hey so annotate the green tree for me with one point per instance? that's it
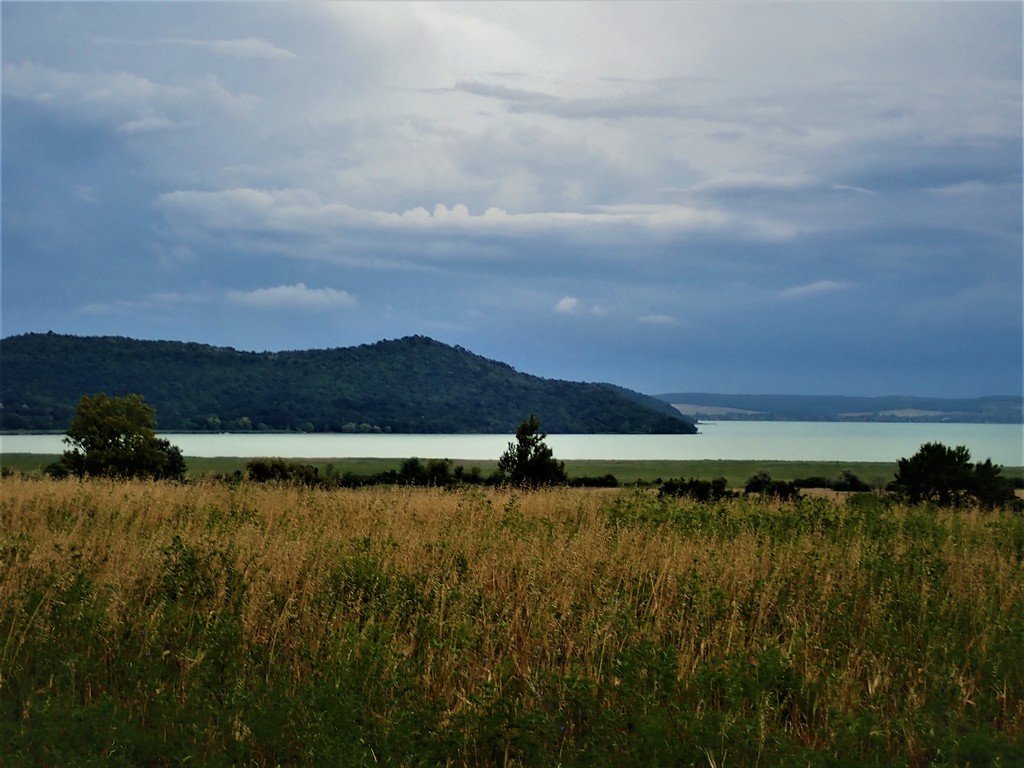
(989, 488)
(439, 473)
(529, 461)
(116, 437)
(848, 481)
(275, 470)
(412, 472)
(945, 476)
(935, 473)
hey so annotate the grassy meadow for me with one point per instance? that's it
(209, 623)
(736, 472)
(627, 471)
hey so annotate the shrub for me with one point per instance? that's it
(606, 481)
(281, 471)
(697, 490)
(762, 484)
(816, 481)
(946, 477)
(848, 481)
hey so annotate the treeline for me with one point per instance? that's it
(983, 485)
(761, 484)
(410, 385)
(434, 473)
(936, 474)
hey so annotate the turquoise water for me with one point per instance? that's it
(778, 440)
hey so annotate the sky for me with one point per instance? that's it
(807, 198)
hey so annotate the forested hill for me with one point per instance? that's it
(413, 384)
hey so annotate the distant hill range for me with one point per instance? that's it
(412, 385)
(712, 407)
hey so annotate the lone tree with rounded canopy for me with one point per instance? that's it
(945, 476)
(116, 437)
(529, 461)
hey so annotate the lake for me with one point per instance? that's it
(766, 440)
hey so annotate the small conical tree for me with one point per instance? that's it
(529, 461)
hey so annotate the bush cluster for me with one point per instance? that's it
(697, 490)
(847, 482)
(762, 484)
(432, 473)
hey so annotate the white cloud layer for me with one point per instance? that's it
(300, 210)
(127, 101)
(298, 296)
(813, 289)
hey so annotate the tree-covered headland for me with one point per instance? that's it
(412, 385)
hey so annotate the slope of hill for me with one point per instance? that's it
(413, 384)
(706, 405)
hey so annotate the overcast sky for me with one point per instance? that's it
(791, 198)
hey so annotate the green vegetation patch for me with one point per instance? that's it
(736, 473)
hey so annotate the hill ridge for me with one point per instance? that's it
(413, 384)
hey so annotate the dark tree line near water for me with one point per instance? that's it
(115, 437)
(409, 385)
(527, 463)
(936, 474)
(761, 484)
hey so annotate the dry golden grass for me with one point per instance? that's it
(557, 581)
